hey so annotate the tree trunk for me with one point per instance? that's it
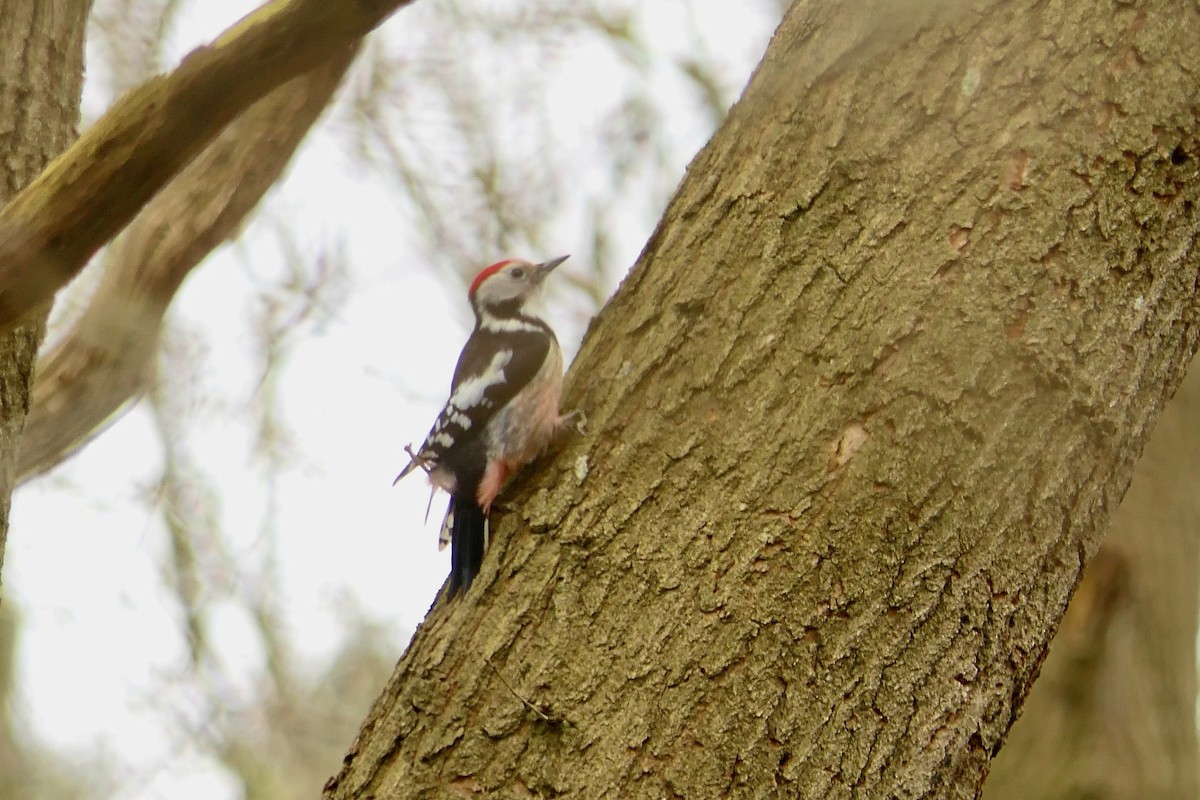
(41, 80)
(1113, 715)
(857, 418)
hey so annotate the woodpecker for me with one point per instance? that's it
(502, 410)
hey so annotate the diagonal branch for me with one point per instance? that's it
(88, 194)
(104, 359)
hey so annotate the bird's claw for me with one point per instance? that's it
(577, 420)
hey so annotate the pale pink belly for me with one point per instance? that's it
(524, 429)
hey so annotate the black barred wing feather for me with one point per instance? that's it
(493, 368)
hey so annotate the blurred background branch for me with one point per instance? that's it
(102, 361)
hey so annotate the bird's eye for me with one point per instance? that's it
(517, 272)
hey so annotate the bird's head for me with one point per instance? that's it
(503, 288)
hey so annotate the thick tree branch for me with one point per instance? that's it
(50, 230)
(1113, 714)
(102, 362)
(857, 418)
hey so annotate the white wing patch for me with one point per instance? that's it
(457, 415)
(470, 392)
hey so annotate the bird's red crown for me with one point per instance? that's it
(486, 273)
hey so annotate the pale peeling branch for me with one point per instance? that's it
(87, 195)
(103, 361)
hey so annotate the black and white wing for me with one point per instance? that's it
(493, 368)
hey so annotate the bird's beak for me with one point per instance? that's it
(546, 267)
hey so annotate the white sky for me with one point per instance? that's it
(98, 631)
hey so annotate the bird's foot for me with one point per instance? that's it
(575, 419)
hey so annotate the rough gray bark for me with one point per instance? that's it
(41, 79)
(1113, 714)
(858, 416)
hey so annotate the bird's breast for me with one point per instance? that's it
(524, 427)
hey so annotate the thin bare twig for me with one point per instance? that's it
(545, 718)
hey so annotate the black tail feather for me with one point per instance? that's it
(468, 541)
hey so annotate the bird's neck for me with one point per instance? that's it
(508, 309)
(508, 317)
